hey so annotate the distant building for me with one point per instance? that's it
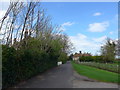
(76, 56)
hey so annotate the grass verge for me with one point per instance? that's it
(108, 67)
(97, 74)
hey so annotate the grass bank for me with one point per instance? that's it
(105, 66)
(97, 74)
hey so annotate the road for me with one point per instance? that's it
(63, 77)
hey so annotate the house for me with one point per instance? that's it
(76, 56)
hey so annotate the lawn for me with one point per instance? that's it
(95, 73)
(105, 66)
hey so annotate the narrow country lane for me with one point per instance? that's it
(63, 77)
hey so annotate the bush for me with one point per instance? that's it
(9, 66)
(98, 58)
(91, 59)
(86, 58)
(25, 62)
(63, 57)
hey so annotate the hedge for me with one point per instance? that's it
(94, 59)
(19, 65)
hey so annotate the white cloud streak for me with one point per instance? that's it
(62, 28)
(100, 39)
(97, 14)
(98, 27)
(67, 24)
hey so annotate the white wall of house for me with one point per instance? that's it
(75, 58)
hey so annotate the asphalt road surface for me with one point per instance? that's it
(63, 77)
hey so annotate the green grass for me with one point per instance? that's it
(109, 67)
(97, 74)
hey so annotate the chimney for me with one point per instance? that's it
(80, 52)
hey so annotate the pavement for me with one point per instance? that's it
(63, 76)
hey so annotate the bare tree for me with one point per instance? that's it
(28, 19)
(6, 14)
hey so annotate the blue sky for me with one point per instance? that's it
(86, 23)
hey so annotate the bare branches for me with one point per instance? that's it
(10, 17)
(6, 14)
(28, 20)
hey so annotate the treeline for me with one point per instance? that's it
(91, 59)
(108, 53)
(31, 43)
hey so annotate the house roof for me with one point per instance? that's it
(86, 54)
(78, 54)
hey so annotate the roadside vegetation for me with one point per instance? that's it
(31, 44)
(103, 67)
(95, 73)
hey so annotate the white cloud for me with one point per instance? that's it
(82, 36)
(67, 24)
(100, 39)
(97, 14)
(98, 27)
(111, 32)
(86, 44)
(62, 28)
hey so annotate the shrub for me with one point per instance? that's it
(25, 62)
(91, 59)
(98, 58)
(86, 58)
(63, 57)
(9, 66)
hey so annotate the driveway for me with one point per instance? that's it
(63, 77)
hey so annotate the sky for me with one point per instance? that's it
(87, 24)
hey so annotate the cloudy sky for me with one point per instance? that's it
(86, 23)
